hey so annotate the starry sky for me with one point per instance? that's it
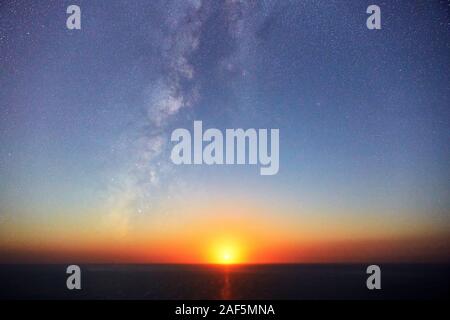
(86, 117)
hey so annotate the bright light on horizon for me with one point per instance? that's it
(227, 257)
(226, 253)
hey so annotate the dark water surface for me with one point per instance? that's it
(297, 281)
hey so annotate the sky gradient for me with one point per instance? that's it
(86, 117)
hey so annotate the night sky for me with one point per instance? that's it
(86, 117)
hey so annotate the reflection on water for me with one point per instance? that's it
(225, 290)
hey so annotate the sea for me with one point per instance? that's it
(225, 282)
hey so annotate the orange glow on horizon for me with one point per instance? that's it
(222, 233)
